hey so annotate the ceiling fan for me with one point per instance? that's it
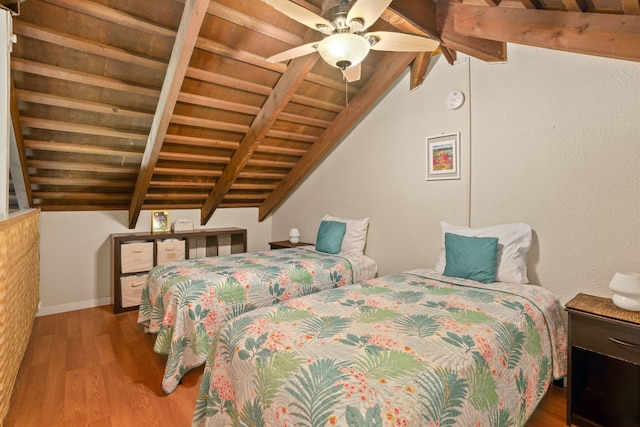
(345, 43)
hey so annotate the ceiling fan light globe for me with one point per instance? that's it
(344, 50)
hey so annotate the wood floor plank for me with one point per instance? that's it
(75, 402)
(115, 389)
(93, 368)
(52, 405)
(97, 402)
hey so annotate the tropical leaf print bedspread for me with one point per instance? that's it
(401, 350)
(186, 302)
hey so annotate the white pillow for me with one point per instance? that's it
(514, 241)
(355, 238)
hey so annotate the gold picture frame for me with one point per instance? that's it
(160, 221)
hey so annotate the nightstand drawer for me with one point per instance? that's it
(614, 339)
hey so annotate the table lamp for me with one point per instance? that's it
(626, 288)
(294, 235)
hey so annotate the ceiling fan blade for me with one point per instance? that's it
(368, 11)
(400, 42)
(352, 74)
(302, 15)
(295, 52)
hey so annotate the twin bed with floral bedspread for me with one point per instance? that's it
(414, 349)
(186, 302)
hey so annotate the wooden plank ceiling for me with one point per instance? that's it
(168, 104)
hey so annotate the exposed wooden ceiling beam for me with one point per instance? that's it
(209, 124)
(282, 93)
(476, 46)
(599, 34)
(303, 120)
(388, 70)
(243, 196)
(32, 67)
(33, 122)
(631, 7)
(262, 175)
(81, 182)
(113, 16)
(272, 163)
(280, 150)
(231, 145)
(82, 105)
(64, 147)
(208, 76)
(531, 4)
(180, 184)
(420, 67)
(81, 195)
(177, 196)
(82, 167)
(164, 170)
(232, 15)
(190, 23)
(190, 98)
(257, 186)
(84, 207)
(413, 16)
(192, 157)
(575, 5)
(449, 54)
(87, 46)
(200, 142)
(228, 81)
(293, 136)
(219, 104)
(418, 17)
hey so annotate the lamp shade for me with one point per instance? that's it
(626, 288)
(294, 235)
(344, 50)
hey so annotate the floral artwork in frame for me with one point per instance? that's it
(443, 157)
(160, 222)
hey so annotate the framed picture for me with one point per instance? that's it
(443, 157)
(160, 222)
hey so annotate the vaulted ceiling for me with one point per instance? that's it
(169, 104)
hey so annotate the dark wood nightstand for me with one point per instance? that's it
(604, 363)
(283, 244)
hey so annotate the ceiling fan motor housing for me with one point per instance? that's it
(336, 12)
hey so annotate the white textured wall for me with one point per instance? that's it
(552, 139)
(379, 171)
(556, 144)
(75, 251)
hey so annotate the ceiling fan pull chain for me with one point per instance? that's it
(346, 92)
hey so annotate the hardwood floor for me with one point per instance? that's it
(93, 368)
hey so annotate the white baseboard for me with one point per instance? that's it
(63, 308)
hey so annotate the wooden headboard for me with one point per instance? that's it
(19, 295)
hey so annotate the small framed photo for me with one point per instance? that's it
(443, 157)
(160, 222)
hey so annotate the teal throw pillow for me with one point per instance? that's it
(472, 258)
(330, 235)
